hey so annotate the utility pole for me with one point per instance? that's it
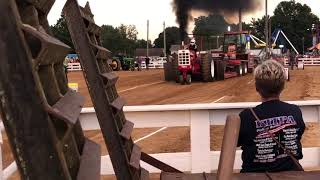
(164, 39)
(302, 45)
(240, 19)
(147, 38)
(267, 30)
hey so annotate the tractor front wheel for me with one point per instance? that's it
(181, 80)
(189, 79)
(116, 65)
(245, 68)
(239, 70)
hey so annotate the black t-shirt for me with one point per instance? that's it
(260, 152)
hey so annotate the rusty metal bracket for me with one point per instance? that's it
(39, 112)
(125, 155)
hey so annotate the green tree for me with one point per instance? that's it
(141, 43)
(172, 37)
(122, 39)
(210, 25)
(111, 38)
(294, 19)
(61, 32)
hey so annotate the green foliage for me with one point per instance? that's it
(212, 25)
(122, 39)
(294, 19)
(61, 32)
(119, 40)
(172, 37)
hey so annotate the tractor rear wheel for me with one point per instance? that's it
(168, 71)
(220, 70)
(208, 68)
(245, 68)
(116, 65)
(189, 79)
(174, 65)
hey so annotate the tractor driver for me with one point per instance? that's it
(193, 46)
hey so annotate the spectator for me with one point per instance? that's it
(147, 62)
(292, 58)
(139, 63)
(193, 46)
(270, 134)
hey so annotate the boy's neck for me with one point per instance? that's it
(270, 99)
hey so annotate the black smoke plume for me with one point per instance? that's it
(228, 8)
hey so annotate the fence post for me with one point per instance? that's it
(200, 141)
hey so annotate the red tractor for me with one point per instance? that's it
(235, 57)
(193, 65)
(208, 66)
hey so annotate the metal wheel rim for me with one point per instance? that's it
(212, 69)
(115, 64)
(245, 69)
(190, 80)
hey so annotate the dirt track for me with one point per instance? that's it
(149, 87)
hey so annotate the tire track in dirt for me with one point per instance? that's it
(198, 92)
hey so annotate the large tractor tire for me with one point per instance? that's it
(125, 67)
(168, 72)
(175, 71)
(208, 68)
(221, 68)
(181, 80)
(115, 65)
(244, 68)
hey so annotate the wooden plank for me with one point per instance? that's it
(144, 175)
(289, 175)
(68, 108)
(90, 161)
(127, 130)
(118, 103)
(111, 78)
(158, 164)
(135, 156)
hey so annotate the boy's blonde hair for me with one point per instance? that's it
(270, 78)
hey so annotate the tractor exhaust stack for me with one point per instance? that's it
(240, 19)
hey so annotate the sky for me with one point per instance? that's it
(137, 12)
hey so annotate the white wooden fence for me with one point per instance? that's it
(198, 117)
(308, 61)
(74, 67)
(156, 63)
